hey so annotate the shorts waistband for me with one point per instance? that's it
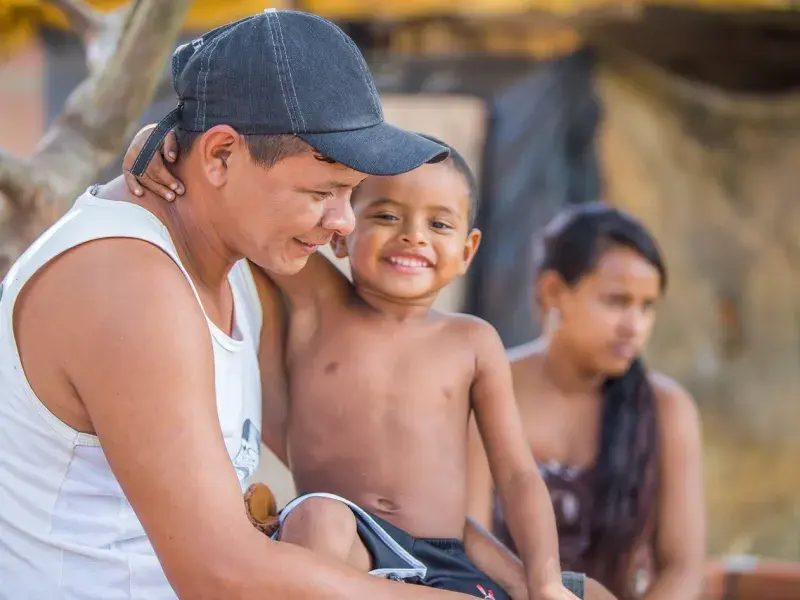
(445, 544)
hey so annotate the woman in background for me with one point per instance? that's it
(618, 445)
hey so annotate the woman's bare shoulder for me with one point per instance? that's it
(530, 351)
(676, 406)
(525, 362)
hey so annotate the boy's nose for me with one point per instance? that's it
(414, 235)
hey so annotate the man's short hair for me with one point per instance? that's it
(266, 149)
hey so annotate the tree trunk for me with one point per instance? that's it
(128, 51)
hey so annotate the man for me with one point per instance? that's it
(129, 355)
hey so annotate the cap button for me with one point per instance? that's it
(269, 10)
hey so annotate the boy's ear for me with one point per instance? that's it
(471, 245)
(339, 246)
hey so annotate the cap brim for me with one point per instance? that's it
(382, 149)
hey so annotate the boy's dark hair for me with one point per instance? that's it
(626, 475)
(266, 149)
(457, 161)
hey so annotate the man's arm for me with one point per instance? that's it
(681, 520)
(523, 494)
(133, 343)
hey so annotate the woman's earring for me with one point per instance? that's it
(553, 319)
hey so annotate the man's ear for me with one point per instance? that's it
(215, 148)
(339, 246)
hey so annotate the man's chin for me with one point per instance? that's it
(289, 267)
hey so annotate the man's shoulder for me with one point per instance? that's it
(107, 280)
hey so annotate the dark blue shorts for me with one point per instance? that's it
(436, 563)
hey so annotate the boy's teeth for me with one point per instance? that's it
(409, 262)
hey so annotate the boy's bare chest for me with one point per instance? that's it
(381, 376)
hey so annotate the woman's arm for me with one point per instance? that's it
(681, 550)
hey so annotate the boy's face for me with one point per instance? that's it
(412, 234)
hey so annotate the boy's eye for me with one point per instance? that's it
(385, 217)
(440, 225)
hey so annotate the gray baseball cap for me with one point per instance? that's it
(289, 72)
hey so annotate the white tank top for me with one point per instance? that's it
(67, 532)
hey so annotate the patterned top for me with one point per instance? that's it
(628, 574)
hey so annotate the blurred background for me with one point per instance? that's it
(685, 113)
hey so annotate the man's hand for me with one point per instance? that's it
(157, 178)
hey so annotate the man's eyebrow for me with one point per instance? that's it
(332, 184)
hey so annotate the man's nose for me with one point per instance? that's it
(338, 216)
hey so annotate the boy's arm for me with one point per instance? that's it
(496, 560)
(271, 362)
(523, 495)
(318, 284)
(480, 489)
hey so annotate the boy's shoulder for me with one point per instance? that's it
(470, 329)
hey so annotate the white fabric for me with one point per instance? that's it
(67, 532)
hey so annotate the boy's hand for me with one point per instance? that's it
(157, 178)
(554, 588)
(554, 591)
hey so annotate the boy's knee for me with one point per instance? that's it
(319, 517)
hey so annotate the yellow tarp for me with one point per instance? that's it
(19, 19)
(394, 9)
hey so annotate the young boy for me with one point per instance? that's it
(380, 392)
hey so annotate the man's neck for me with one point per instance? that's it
(200, 248)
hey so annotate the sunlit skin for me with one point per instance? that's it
(412, 237)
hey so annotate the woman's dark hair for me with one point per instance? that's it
(626, 469)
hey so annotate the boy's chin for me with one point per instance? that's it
(410, 291)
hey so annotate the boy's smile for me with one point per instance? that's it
(412, 234)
